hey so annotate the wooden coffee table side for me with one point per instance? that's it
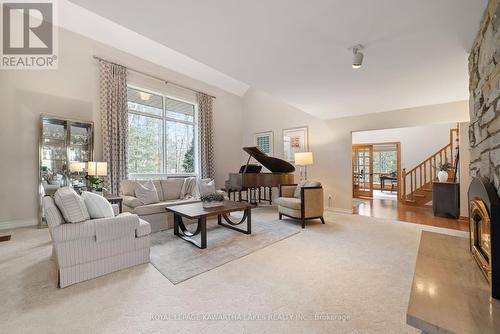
(196, 211)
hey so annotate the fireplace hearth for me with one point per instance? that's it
(484, 227)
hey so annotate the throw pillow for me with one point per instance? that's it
(71, 205)
(206, 187)
(301, 184)
(146, 193)
(97, 206)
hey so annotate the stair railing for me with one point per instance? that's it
(422, 175)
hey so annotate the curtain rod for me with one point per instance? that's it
(154, 77)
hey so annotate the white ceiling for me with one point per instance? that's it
(416, 51)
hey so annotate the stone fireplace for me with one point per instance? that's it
(484, 136)
(484, 225)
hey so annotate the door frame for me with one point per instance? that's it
(370, 147)
(398, 164)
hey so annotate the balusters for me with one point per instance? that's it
(403, 183)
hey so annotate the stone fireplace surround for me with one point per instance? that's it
(484, 104)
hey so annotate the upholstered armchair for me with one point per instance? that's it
(301, 202)
(95, 247)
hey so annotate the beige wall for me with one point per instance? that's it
(72, 91)
(330, 141)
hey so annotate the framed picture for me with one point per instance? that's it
(265, 142)
(295, 140)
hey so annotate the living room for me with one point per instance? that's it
(180, 106)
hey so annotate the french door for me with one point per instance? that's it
(362, 170)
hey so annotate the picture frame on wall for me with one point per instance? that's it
(265, 142)
(295, 140)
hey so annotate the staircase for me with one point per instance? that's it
(416, 184)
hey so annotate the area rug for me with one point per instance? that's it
(179, 260)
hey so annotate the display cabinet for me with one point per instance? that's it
(65, 147)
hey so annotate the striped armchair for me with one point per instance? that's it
(95, 247)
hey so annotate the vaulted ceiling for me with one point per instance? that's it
(415, 51)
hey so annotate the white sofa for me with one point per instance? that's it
(95, 247)
(169, 193)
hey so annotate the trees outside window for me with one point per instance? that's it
(161, 136)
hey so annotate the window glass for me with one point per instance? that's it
(180, 148)
(161, 134)
(144, 144)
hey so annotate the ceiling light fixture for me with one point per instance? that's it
(357, 59)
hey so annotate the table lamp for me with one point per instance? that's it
(303, 159)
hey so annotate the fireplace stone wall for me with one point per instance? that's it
(484, 104)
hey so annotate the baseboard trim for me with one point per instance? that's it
(339, 210)
(10, 224)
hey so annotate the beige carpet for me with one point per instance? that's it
(352, 275)
(179, 260)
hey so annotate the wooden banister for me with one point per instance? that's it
(419, 172)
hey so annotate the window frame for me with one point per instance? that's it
(164, 119)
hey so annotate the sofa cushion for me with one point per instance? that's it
(52, 214)
(97, 206)
(146, 193)
(159, 190)
(131, 201)
(143, 229)
(301, 184)
(172, 188)
(288, 202)
(160, 207)
(128, 187)
(71, 205)
(206, 187)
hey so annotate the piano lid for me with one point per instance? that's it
(275, 165)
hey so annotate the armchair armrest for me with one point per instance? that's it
(116, 227)
(287, 190)
(131, 201)
(312, 201)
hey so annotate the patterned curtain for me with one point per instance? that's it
(205, 135)
(114, 123)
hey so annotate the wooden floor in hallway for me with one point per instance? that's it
(388, 208)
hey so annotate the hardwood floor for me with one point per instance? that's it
(384, 208)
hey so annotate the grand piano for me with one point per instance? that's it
(250, 179)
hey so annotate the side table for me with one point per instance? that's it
(115, 200)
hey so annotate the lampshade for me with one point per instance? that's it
(76, 167)
(304, 158)
(95, 168)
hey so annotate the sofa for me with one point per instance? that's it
(95, 247)
(302, 202)
(169, 193)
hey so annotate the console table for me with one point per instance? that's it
(449, 293)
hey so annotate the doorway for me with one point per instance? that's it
(376, 170)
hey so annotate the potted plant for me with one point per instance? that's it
(443, 171)
(95, 184)
(212, 200)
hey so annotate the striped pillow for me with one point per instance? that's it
(71, 205)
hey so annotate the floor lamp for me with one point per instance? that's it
(303, 159)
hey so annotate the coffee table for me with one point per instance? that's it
(197, 211)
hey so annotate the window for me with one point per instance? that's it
(384, 160)
(162, 135)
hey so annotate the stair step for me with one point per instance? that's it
(427, 189)
(419, 195)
